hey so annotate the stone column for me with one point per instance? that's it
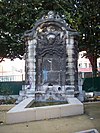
(31, 63)
(76, 64)
(70, 65)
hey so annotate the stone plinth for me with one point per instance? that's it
(22, 112)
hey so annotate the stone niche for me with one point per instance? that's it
(51, 59)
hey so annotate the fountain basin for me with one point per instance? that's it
(22, 112)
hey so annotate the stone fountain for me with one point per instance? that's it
(50, 60)
(51, 72)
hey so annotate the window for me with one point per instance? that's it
(85, 65)
(90, 65)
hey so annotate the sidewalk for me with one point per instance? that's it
(90, 120)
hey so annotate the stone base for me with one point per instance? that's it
(21, 112)
(26, 92)
(47, 93)
(70, 93)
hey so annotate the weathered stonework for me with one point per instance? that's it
(51, 59)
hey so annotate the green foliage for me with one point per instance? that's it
(89, 27)
(18, 16)
(8, 101)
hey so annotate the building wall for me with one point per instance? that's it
(12, 70)
(84, 65)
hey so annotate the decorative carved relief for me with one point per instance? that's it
(55, 58)
(49, 35)
(51, 50)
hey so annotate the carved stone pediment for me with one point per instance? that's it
(50, 34)
(50, 22)
(50, 39)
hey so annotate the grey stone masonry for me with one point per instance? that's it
(51, 59)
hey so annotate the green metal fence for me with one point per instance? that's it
(11, 88)
(91, 84)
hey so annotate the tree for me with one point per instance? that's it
(89, 27)
(18, 16)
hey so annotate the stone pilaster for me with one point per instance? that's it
(31, 62)
(70, 65)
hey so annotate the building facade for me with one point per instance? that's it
(84, 66)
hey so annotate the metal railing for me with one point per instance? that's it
(11, 78)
